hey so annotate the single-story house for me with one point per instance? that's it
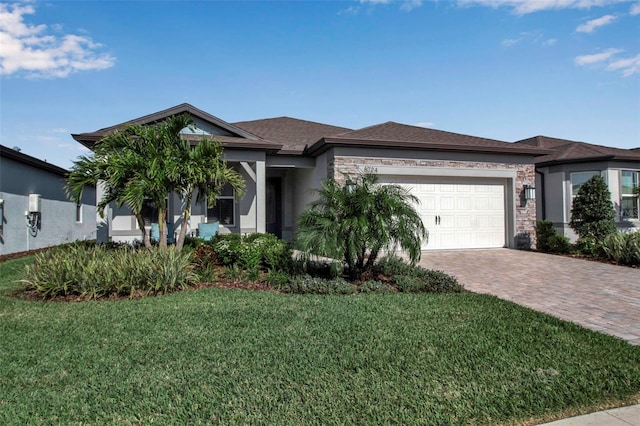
(472, 189)
(34, 210)
(560, 174)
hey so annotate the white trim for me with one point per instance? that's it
(261, 197)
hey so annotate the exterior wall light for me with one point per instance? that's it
(529, 192)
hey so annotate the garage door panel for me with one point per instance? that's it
(471, 212)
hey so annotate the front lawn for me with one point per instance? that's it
(233, 356)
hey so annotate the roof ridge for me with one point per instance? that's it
(291, 118)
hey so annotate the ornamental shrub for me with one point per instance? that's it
(622, 248)
(592, 213)
(559, 244)
(544, 231)
(94, 272)
(415, 279)
(307, 284)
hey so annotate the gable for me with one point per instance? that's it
(205, 124)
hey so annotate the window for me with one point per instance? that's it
(149, 212)
(78, 213)
(224, 209)
(629, 198)
(578, 178)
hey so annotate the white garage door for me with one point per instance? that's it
(459, 212)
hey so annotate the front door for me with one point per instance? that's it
(274, 206)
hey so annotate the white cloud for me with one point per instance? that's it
(629, 66)
(409, 5)
(635, 9)
(59, 130)
(596, 57)
(405, 5)
(424, 124)
(531, 37)
(508, 42)
(590, 26)
(523, 7)
(27, 48)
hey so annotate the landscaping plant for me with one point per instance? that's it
(150, 162)
(622, 248)
(95, 272)
(592, 213)
(357, 220)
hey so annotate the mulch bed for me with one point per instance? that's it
(20, 254)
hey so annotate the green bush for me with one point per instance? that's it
(306, 284)
(592, 212)
(207, 274)
(428, 282)
(415, 279)
(277, 279)
(227, 247)
(559, 244)
(93, 272)
(375, 287)
(254, 251)
(544, 231)
(586, 246)
(393, 266)
(622, 248)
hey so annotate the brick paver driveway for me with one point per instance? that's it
(595, 295)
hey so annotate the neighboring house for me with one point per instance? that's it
(34, 210)
(570, 164)
(471, 189)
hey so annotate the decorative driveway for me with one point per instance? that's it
(596, 295)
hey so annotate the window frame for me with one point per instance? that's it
(571, 174)
(632, 196)
(209, 217)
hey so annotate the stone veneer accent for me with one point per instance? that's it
(525, 217)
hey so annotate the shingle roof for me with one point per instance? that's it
(238, 135)
(567, 151)
(294, 134)
(32, 161)
(396, 135)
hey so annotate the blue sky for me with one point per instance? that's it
(502, 69)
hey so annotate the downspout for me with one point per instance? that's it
(542, 197)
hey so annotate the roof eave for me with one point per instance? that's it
(559, 161)
(32, 161)
(325, 143)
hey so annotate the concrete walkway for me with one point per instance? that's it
(625, 416)
(596, 295)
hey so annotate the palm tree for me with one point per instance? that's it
(111, 169)
(357, 221)
(151, 162)
(203, 171)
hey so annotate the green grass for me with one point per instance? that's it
(231, 356)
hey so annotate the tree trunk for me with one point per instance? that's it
(162, 215)
(145, 236)
(185, 221)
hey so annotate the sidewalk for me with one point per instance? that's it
(624, 416)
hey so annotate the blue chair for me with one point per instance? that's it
(155, 232)
(207, 231)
